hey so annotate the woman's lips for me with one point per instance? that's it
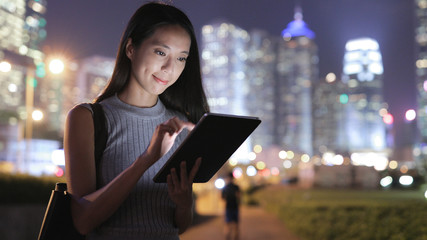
(160, 80)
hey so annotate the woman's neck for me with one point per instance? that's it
(137, 100)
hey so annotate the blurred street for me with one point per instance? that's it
(255, 223)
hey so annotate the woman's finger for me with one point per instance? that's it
(181, 124)
(195, 169)
(174, 176)
(184, 177)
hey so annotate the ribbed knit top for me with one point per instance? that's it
(148, 212)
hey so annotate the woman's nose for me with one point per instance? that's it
(168, 66)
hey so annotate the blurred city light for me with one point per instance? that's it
(363, 44)
(12, 87)
(305, 158)
(338, 159)
(58, 157)
(237, 172)
(290, 154)
(59, 172)
(251, 171)
(393, 164)
(382, 112)
(406, 180)
(220, 183)
(260, 165)
(257, 148)
(343, 98)
(56, 66)
(410, 115)
(37, 115)
(283, 154)
(233, 161)
(386, 181)
(251, 156)
(5, 66)
(381, 163)
(275, 171)
(404, 169)
(388, 119)
(287, 164)
(331, 77)
(370, 159)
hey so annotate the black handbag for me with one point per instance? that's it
(57, 222)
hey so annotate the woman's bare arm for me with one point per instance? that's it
(90, 207)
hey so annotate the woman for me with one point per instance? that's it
(154, 94)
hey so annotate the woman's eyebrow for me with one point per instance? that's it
(167, 47)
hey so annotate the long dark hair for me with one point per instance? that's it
(186, 95)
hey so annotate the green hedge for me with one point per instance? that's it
(20, 189)
(326, 214)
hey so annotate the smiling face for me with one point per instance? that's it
(157, 62)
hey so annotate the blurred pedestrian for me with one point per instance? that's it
(231, 195)
(154, 94)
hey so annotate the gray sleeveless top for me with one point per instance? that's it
(148, 212)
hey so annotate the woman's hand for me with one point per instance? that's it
(164, 136)
(181, 192)
(181, 189)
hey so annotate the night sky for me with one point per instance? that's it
(81, 28)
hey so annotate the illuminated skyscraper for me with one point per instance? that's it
(297, 70)
(224, 68)
(328, 106)
(364, 128)
(22, 30)
(421, 75)
(260, 75)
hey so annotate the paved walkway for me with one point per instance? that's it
(255, 224)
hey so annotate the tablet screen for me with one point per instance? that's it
(215, 138)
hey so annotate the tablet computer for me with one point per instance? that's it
(214, 138)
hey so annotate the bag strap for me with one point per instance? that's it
(101, 133)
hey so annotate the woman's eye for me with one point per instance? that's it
(182, 59)
(158, 52)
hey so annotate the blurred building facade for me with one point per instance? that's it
(364, 129)
(254, 73)
(421, 82)
(327, 115)
(22, 31)
(297, 72)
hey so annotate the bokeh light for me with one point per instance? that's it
(251, 156)
(251, 171)
(388, 119)
(219, 183)
(237, 172)
(305, 158)
(257, 148)
(410, 115)
(260, 165)
(283, 154)
(37, 115)
(393, 164)
(406, 180)
(287, 164)
(56, 66)
(386, 181)
(5, 66)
